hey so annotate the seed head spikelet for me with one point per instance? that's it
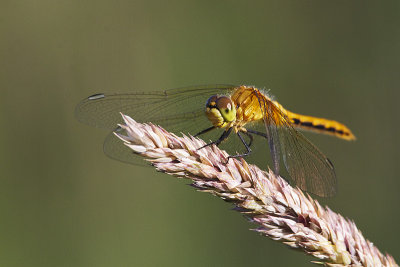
(281, 212)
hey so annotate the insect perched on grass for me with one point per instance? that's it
(241, 110)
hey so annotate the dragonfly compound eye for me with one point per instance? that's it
(226, 108)
(212, 102)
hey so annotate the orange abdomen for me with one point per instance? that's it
(321, 125)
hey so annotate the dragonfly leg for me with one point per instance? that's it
(204, 131)
(257, 133)
(224, 135)
(273, 147)
(248, 149)
(250, 137)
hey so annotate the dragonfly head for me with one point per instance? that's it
(220, 110)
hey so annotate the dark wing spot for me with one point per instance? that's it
(96, 96)
(331, 129)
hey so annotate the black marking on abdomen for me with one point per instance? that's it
(320, 127)
(296, 121)
(307, 124)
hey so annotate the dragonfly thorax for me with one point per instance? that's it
(220, 110)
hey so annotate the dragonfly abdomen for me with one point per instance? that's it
(321, 125)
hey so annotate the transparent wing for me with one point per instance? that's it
(177, 110)
(308, 167)
(166, 107)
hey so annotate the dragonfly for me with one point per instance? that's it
(225, 110)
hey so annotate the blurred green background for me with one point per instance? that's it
(64, 203)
